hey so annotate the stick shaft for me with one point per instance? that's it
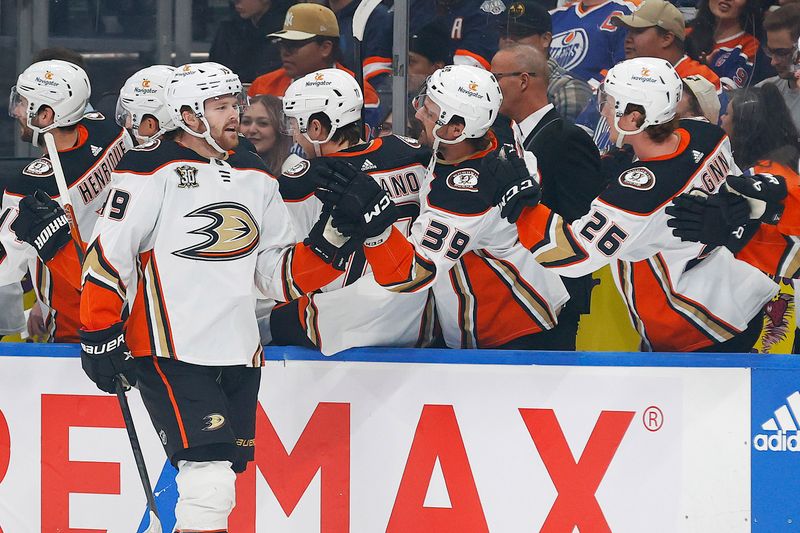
(138, 456)
(63, 193)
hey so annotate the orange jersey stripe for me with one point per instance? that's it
(497, 317)
(174, 403)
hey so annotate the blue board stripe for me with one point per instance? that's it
(474, 357)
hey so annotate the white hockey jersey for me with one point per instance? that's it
(488, 290)
(184, 242)
(87, 169)
(681, 296)
(375, 316)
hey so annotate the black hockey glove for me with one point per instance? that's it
(505, 173)
(43, 224)
(328, 243)
(104, 356)
(717, 220)
(361, 208)
(764, 192)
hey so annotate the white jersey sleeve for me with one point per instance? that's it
(15, 255)
(125, 230)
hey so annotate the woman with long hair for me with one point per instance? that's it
(764, 230)
(761, 128)
(261, 126)
(723, 36)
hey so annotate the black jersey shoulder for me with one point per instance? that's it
(294, 182)
(386, 154)
(457, 189)
(30, 176)
(149, 157)
(244, 157)
(102, 135)
(644, 186)
(245, 144)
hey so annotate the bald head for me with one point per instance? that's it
(523, 75)
(525, 58)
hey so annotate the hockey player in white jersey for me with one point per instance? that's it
(191, 231)
(324, 108)
(140, 105)
(488, 291)
(680, 296)
(51, 97)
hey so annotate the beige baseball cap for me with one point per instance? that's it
(655, 13)
(706, 95)
(306, 21)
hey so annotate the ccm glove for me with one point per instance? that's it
(361, 208)
(43, 224)
(717, 220)
(105, 357)
(514, 187)
(764, 192)
(328, 243)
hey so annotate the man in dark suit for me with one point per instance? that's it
(569, 162)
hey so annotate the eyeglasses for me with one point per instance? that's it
(500, 75)
(779, 53)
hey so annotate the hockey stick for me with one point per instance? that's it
(138, 456)
(66, 204)
(360, 17)
(63, 193)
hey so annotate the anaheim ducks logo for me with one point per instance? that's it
(48, 75)
(319, 77)
(213, 422)
(473, 86)
(146, 83)
(645, 71)
(232, 233)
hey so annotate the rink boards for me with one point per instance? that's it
(432, 441)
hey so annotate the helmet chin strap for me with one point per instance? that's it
(436, 141)
(205, 135)
(317, 144)
(622, 133)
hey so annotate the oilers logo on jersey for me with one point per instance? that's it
(569, 48)
(232, 233)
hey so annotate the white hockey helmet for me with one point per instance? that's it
(64, 87)
(646, 81)
(191, 85)
(331, 91)
(465, 91)
(143, 94)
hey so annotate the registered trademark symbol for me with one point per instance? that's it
(652, 418)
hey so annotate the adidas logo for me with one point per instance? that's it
(368, 165)
(784, 435)
(95, 150)
(697, 156)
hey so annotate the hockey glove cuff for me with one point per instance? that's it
(329, 244)
(764, 193)
(717, 220)
(43, 224)
(104, 356)
(514, 187)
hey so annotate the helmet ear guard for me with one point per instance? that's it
(193, 84)
(143, 95)
(468, 92)
(645, 81)
(330, 91)
(62, 86)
